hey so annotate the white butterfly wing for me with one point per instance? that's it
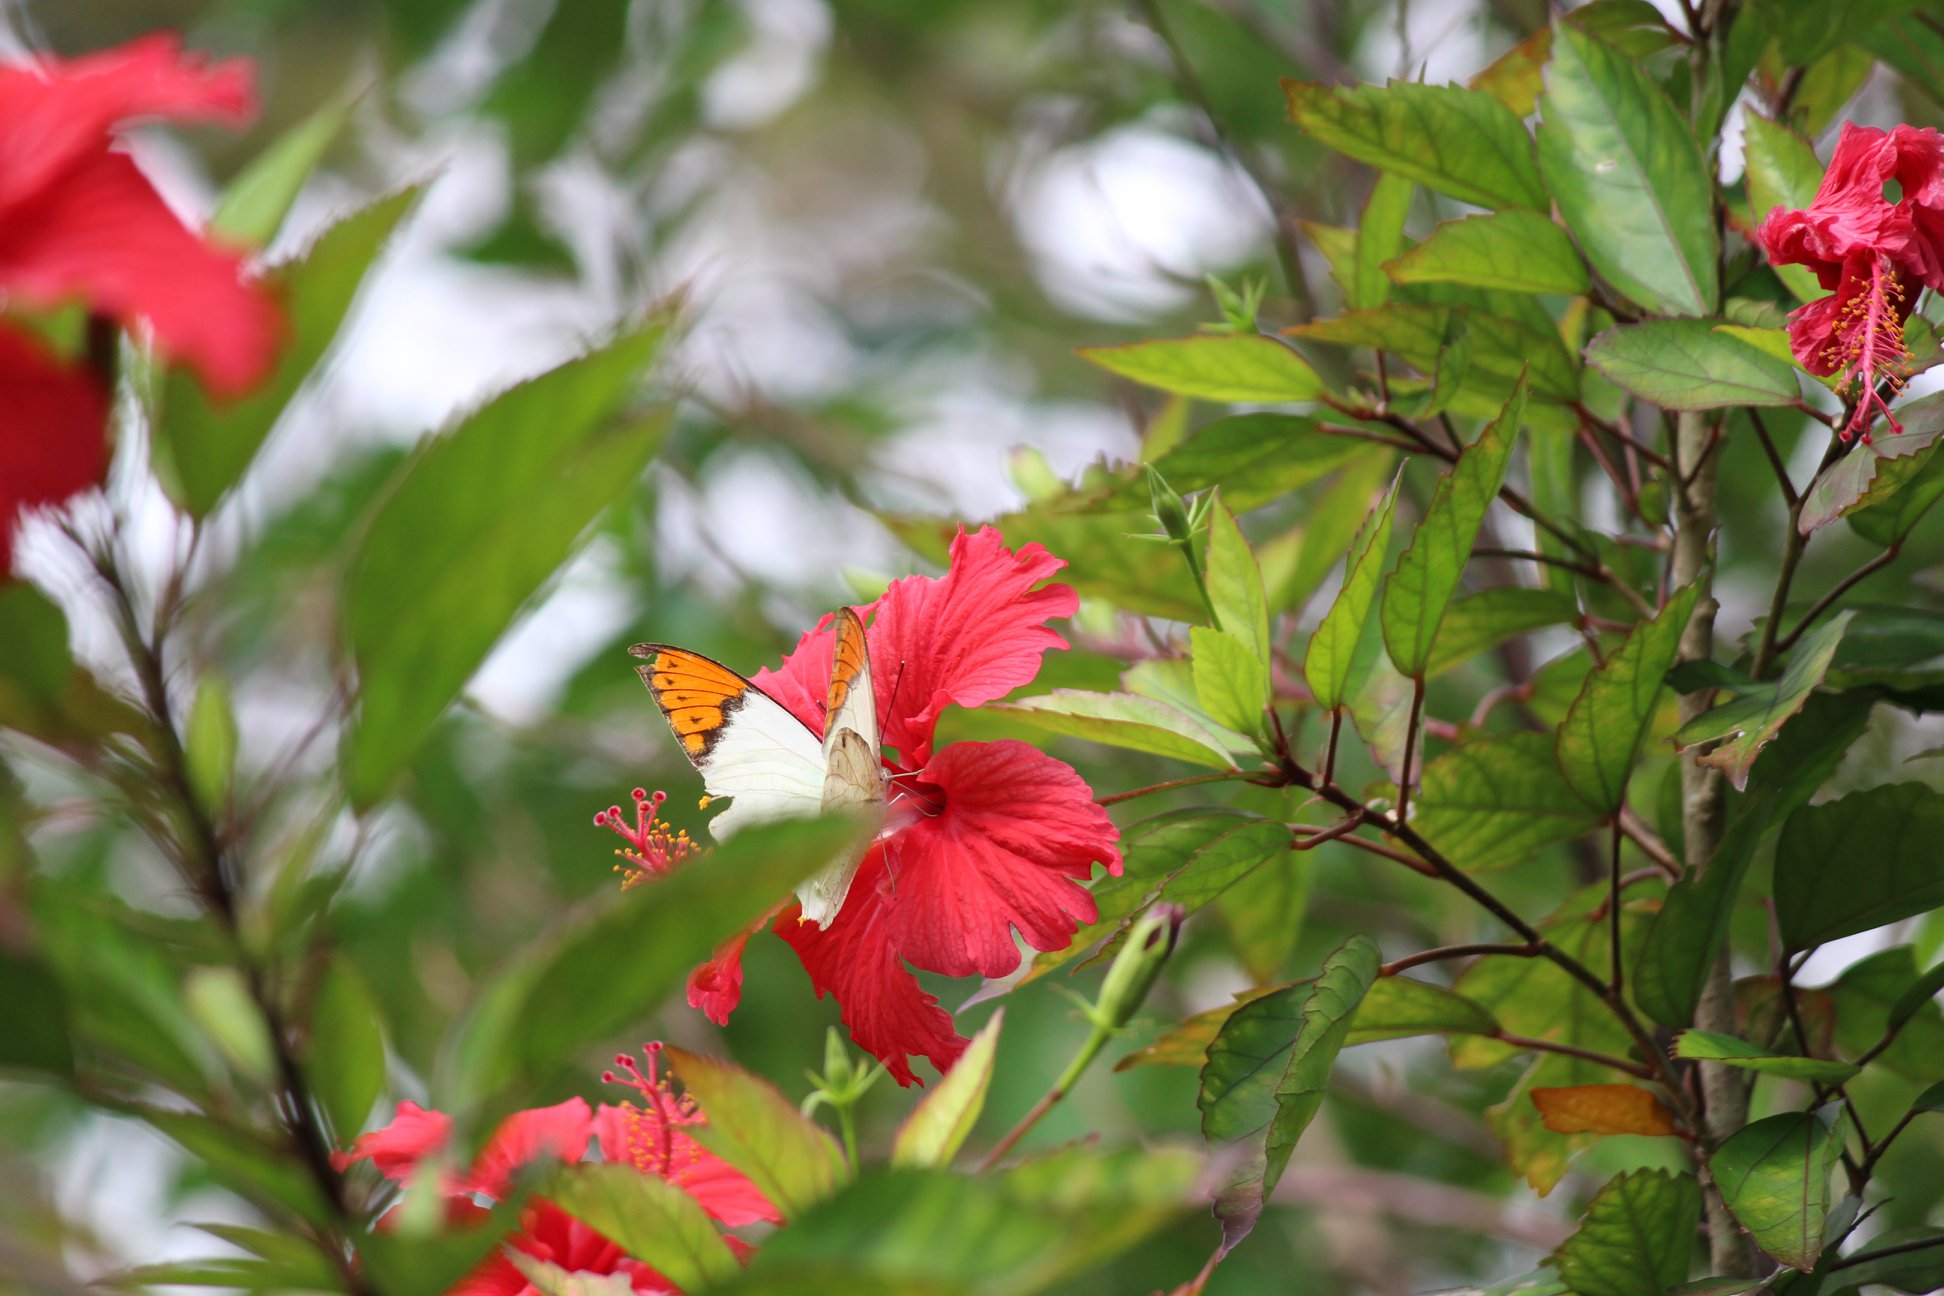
(853, 773)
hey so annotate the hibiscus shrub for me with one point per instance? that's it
(1473, 767)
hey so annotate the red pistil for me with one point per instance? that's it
(653, 847)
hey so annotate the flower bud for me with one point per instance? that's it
(1149, 943)
(1169, 510)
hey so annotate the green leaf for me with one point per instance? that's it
(1918, 1270)
(1495, 801)
(1774, 1175)
(1332, 649)
(1121, 720)
(209, 742)
(1862, 1000)
(1236, 367)
(1628, 177)
(1781, 170)
(1688, 364)
(651, 1220)
(753, 1127)
(1601, 735)
(616, 961)
(1635, 1238)
(239, 1160)
(1265, 1075)
(1330, 528)
(1380, 704)
(1460, 142)
(204, 447)
(1032, 1228)
(471, 528)
(1264, 911)
(1380, 235)
(1231, 681)
(34, 1027)
(254, 204)
(1477, 622)
(1912, 1001)
(1419, 589)
(1888, 871)
(1501, 348)
(1908, 476)
(1255, 458)
(1517, 250)
(939, 1124)
(1235, 585)
(1712, 1046)
(1749, 722)
(346, 1053)
(35, 630)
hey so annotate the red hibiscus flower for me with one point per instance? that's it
(648, 1137)
(80, 223)
(981, 839)
(1874, 235)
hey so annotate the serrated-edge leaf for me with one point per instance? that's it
(651, 1219)
(757, 1130)
(1516, 250)
(1748, 723)
(1713, 1046)
(1691, 364)
(939, 1124)
(1635, 1238)
(1601, 735)
(1121, 720)
(1332, 649)
(1460, 142)
(1231, 368)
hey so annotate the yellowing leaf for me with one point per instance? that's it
(1602, 1109)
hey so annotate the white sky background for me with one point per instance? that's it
(1120, 227)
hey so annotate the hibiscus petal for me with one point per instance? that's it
(969, 637)
(559, 1132)
(715, 987)
(1018, 833)
(54, 438)
(885, 1009)
(414, 1134)
(104, 236)
(56, 111)
(642, 1137)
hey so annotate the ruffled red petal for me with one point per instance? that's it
(1017, 835)
(558, 1133)
(887, 1012)
(104, 236)
(54, 112)
(966, 638)
(53, 436)
(414, 1134)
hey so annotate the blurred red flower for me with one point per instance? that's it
(1875, 247)
(981, 839)
(79, 223)
(649, 1137)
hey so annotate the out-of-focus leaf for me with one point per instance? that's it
(1332, 649)
(260, 1172)
(1380, 703)
(1237, 367)
(1380, 234)
(1918, 1269)
(1774, 1175)
(651, 1219)
(1501, 348)
(1601, 735)
(416, 1264)
(1627, 176)
(346, 1057)
(1460, 142)
(1330, 528)
(1265, 1075)
(254, 204)
(1781, 171)
(757, 1130)
(1688, 364)
(220, 1002)
(204, 446)
(1477, 622)
(1494, 801)
(1863, 998)
(34, 1032)
(1264, 911)
(1602, 1109)
(939, 1124)
(614, 963)
(1713, 1046)
(1419, 588)
(210, 740)
(1255, 458)
(1517, 250)
(473, 525)
(35, 632)
(1024, 1230)
(1888, 871)
(1636, 1237)
(1749, 722)
(1121, 720)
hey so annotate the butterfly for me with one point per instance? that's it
(747, 746)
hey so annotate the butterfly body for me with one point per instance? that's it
(748, 747)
